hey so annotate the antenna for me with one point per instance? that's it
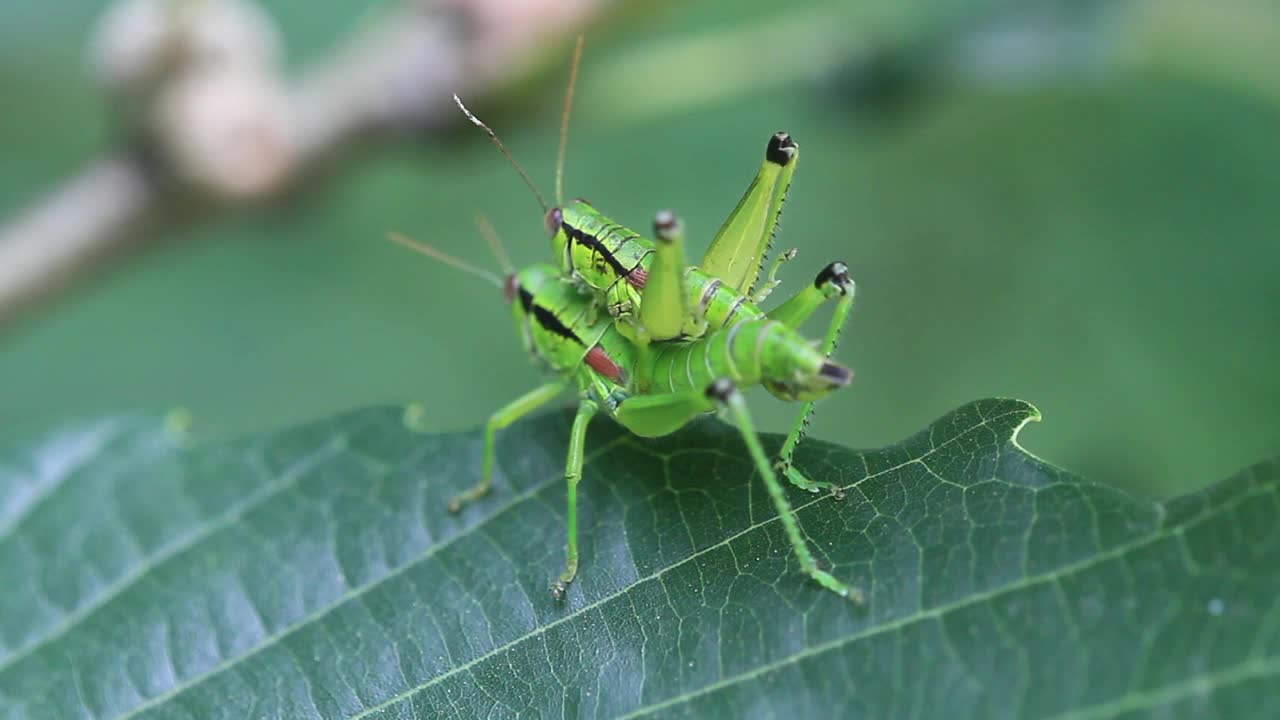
(430, 251)
(564, 120)
(495, 243)
(494, 137)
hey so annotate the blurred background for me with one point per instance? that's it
(1070, 202)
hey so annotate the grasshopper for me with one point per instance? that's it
(676, 341)
(652, 393)
(655, 297)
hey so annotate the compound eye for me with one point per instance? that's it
(510, 287)
(554, 219)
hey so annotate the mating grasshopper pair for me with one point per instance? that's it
(655, 342)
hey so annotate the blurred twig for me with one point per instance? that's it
(213, 124)
(71, 227)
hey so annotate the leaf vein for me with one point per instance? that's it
(166, 553)
(1119, 551)
(1173, 692)
(350, 595)
(538, 632)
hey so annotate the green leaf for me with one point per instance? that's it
(314, 572)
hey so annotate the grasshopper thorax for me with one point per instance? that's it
(596, 251)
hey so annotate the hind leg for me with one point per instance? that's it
(662, 306)
(724, 392)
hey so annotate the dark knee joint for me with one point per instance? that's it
(781, 149)
(666, 226)
(722, 390)
(837, 275)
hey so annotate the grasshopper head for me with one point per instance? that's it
(560, 241)
(574, 218)
(527, 282)
(510, 287)
(553, 220)
(562, 245)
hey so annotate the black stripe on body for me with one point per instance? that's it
(546, 318)
(593, 243)
(552, 324)
(614, 229)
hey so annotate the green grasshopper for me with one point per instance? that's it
(656, 297)
(656, 391)
(677, 341)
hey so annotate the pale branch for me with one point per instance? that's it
(75, 225)
(396, 73)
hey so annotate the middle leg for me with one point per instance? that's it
(832, 282)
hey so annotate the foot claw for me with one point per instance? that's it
(456, 503)
(558, 590)
(798, 479)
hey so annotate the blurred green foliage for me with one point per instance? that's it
(1066, 206)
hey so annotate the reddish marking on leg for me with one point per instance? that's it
(597, 359)
(638, 277)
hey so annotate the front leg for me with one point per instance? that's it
(772, 281)
(513, 411)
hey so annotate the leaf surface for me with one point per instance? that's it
(314, 572)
